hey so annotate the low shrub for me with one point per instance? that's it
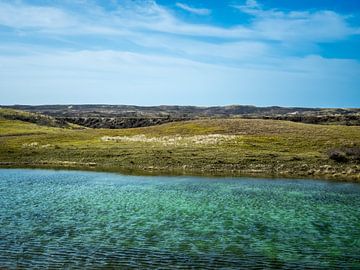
(345, 154)
(337, 155)
(353, 152)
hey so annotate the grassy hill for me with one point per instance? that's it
(31, 117)
(229, 147)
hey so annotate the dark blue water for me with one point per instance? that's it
(84, 220)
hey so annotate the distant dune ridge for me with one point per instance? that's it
(128, 116)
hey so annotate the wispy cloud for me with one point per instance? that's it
(150, 28)
(18, 15)
(305, 26)
(197, 11)
(145, 45)
(134, 17)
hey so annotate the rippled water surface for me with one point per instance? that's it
(65, 219)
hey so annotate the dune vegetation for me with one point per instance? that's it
(228, 147)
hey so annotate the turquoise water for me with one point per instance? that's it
(65, 219)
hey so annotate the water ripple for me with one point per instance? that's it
(77, 220)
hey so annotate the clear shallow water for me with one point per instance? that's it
(66, 219)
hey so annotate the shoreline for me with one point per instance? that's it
(178, 172)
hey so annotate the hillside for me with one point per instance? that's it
(229, 147)
(30, 117)
(126, 116)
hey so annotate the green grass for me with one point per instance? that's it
(267, 148)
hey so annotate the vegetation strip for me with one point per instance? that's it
(228, 147)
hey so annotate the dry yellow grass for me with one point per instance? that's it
(214, 146)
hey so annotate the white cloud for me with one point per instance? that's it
(221, 53)
(305, 26)
(129, 17)
(23, 16)
(154, 17)
(133, 18)
(197, 11)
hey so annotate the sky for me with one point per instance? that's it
(216, 52)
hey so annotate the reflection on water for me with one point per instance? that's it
(64, 219)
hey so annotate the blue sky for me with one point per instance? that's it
(274, 52)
